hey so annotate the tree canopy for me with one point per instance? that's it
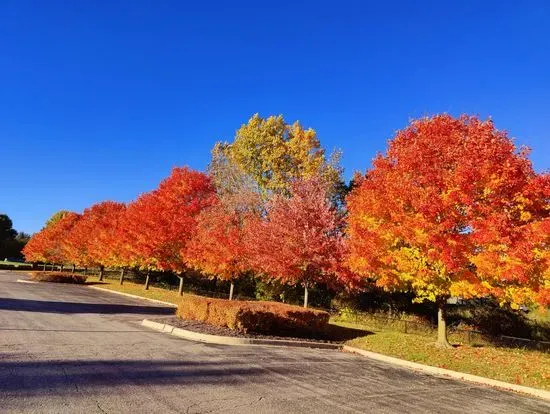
(274, 154)
(451, 201)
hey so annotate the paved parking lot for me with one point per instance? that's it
(68, 349)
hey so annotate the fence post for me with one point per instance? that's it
(404, 320)
(469, 337)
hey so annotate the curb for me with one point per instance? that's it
(449, 373)
(133, 296)
(229, 340)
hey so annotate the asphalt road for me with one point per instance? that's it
(70, 349)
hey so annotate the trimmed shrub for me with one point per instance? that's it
(249, 316)
(58, 277)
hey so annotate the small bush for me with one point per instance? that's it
(58, 277)
(248, 316)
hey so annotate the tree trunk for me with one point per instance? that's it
(85, 270)
(74, 268)
(231, 289)
(180, 290)
(147, 281)
(101, 273)
(442, 341)
(61, 268)
(306, 295)
(44, 267)
(122, 275)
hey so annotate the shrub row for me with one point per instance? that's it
(249, 316)
(58, 277)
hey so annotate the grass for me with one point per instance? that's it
(517, 366)
(137, 289)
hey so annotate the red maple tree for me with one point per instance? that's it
(300, 240)
(217, 247)
(452, 209)
(49, 245)
(159, 224)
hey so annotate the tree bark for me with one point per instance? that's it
(122, 275)
(101, 273)
(180, 290)
(442, 340)
(306, 295)
(147, 281)
(231, 289)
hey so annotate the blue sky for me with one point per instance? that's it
(100, 99)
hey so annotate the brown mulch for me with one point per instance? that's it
(333, 334)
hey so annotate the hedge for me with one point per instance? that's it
(58, 277)
(250, 316)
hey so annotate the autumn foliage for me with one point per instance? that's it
(50, 244)
(217, 246)
(159, 224)
(452, 209)
(300, 239)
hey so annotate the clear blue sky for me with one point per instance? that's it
(100, 99)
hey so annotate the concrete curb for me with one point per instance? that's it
(449, 373)
(229, 340)
(26, 281)
(133, 296)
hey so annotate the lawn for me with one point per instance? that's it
(164, 295)
(518, 366)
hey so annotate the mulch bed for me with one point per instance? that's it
(334, 334)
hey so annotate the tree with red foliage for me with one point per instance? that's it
(91, 241)
(217, 246)
(49, 245)
(299, 241)
(452, 209)
(159, 224)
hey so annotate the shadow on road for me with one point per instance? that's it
(28, 305)
(40, 377)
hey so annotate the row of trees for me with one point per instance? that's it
(275, 218)
(452, 208)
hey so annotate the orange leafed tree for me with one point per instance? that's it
(49, 245)
(92, 240)
(217, 247)
(452, 209)
(299, 241)
(159, 224)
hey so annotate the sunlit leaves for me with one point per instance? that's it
(452, 208)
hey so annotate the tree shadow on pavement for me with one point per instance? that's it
(40, 377)
(28, 305)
